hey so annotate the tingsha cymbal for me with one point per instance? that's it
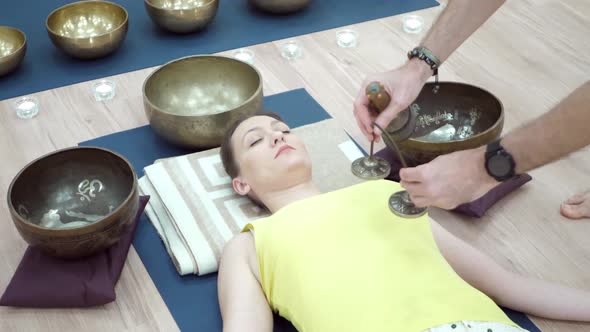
(401, 204)
(371, 168)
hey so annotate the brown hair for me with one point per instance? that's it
(227, 152)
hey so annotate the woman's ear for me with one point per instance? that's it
(240, 186)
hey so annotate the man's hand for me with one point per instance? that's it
(403, 85)
(449, 180)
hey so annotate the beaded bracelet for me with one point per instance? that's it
(425, 55)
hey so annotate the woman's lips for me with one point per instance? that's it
(284, 148)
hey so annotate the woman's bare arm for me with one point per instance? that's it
(242, 302)
(532, 296)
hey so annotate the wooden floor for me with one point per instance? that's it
(530, 54)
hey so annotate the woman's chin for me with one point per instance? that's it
(295, 164)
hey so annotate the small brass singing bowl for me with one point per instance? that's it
(191, 101)
(74, 202)
(13, 46)
(182, 16)
(280, 6)
(457, 117)
(88, 29)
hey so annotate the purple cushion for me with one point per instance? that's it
(43, 281)
(476, 208)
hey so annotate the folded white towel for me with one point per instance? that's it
(195, 210)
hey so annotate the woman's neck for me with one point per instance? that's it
(276, 200)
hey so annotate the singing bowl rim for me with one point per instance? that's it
(78, 3)
(265, 5)
(24, 41)
(91, 227)
(149, 3)
(499, 121)
(201, 56)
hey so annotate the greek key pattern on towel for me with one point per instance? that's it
(196, 211)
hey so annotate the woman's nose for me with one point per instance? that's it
(277, 137)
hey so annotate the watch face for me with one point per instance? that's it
(499, 165)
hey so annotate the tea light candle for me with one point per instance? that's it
(291, 50)
(103, 90)
(346, 38)
(244, 55)
(26, 107)
(413, 23)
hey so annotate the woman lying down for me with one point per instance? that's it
(341, 261)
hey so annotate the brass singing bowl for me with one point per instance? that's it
(457, 117)
(74, 202)
(182, 16)
(191, 101)
(13, 46)
(280, 6)
(88, 29)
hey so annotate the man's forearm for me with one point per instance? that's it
(456, 23)
(555, 134)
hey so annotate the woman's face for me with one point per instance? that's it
(269, 157)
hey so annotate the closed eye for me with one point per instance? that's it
(255, 142)
(286, 131)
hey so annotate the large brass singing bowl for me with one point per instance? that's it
(457, 117)
(280, 6)
(74, 202)
(191, 101)
(88, 29)
(182, 16)
(13, 46)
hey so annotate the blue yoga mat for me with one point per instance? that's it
(192, 300)
(236, 25)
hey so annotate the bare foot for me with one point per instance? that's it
(577, 207)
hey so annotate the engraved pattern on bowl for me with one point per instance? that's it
(75, 201)
(456, 117)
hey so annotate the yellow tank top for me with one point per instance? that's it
(342, 261)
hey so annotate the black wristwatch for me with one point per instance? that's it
(499, 163)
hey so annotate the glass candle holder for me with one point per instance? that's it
(103, 90)
(412, 23)
(347, 38)
(245, 55)
(26, 107)
(291, 50)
